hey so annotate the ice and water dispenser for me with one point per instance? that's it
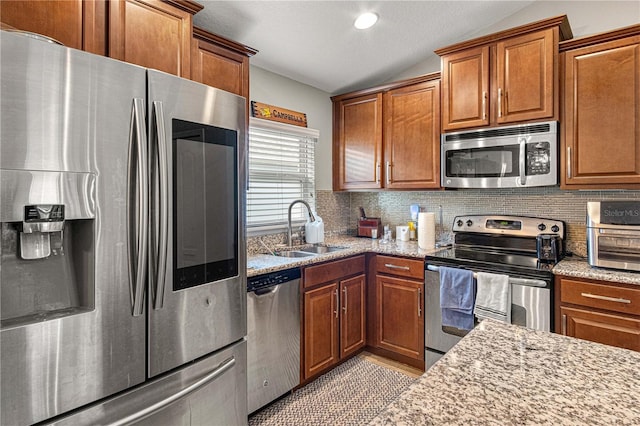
(47, 252)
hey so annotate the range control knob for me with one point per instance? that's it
(469, 222)
(555, 228)
(542, 227)
(459, 222)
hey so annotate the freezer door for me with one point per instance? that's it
(68, 335)
(212, 391)
(197, 268)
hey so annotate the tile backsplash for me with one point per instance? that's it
(339, 210)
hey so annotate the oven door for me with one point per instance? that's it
(530, 307)
(515, 161)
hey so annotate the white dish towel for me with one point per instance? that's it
(493, 297)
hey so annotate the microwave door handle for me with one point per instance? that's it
(137, 217)
(523, 148)
(163, 175)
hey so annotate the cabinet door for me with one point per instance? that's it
(602, 116)
(151, 33)
(412, 136)
(400, 316)
(525, 77)
(357, 148)
(614, 330)
(352, 317)
(465, 88)
(218, 67)
(74, 23)
(320, 329)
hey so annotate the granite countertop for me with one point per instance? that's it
(580, 268)
(264, 263)
(505, 375)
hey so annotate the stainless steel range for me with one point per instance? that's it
(524, 248)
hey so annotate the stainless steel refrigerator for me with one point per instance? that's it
(123, 274)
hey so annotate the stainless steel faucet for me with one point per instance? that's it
(311, 217)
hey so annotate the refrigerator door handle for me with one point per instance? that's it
(163, 169)
(222, 368)
(137, 217)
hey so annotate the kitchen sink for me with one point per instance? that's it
(293, 253)
(322, 249)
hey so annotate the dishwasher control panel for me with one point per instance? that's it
(272, 278)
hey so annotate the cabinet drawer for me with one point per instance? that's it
(601, 296)
(332, 271)
(400, 266)
(613, 330)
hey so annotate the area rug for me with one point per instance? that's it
(351, 394)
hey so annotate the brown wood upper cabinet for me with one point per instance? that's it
(153, 33)
(601, 116)
(388, 136)
(220, 62)
(75, 23)
(503, 78)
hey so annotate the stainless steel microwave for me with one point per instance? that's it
(505, 157)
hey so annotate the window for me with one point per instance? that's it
(281, 170)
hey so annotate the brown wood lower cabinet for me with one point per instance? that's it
(614, 330)
(397, 309)
(400, 317)
(334, 314)
(599, 311)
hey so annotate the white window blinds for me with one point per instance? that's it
(281, 170)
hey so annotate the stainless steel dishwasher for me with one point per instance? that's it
(273, 336)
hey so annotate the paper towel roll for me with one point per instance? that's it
(426, 230)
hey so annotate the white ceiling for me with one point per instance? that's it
(314, 42)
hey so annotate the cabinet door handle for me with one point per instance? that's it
(388, 172)
(564, 324)
(419, 302)
(607, 298)
(344, 307)
(377, 172)
(391, 266)
(569, 162)
(499, 102)
(337, 304)
(484, 105)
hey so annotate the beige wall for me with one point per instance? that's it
(274, 89)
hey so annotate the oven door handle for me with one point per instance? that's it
(513, 281)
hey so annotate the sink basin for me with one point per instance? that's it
(293, 253)
(322, 249)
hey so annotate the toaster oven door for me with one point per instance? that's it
(614, 248)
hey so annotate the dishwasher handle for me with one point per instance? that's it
(265, 291)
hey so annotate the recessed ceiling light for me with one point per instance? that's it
(366, 20)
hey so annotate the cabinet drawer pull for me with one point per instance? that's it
(344, 307)
(337, 304)
(500, 102)
(607, 298)
(391, 266)
(377, 172)
(419, 302)
(564, 324)
(568, 162)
